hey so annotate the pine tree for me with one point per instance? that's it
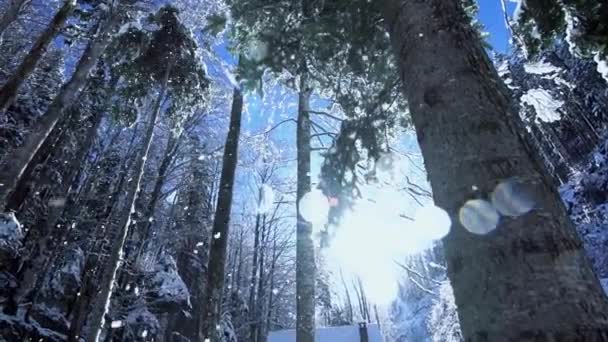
(583, 23)
(17, 162)
(169, 58)
(11, 87)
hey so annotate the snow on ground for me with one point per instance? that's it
(544, 104)
(348, 333)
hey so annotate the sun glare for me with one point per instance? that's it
(374, 234)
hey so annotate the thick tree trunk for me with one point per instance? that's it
(10, 14)
(11, 87)
(305, 255)
(18, 161)
(529, 280)
(102, 301)
(221, 226)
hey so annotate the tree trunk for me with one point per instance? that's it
(102, 302)
(259, 303)
(529, 279)
(161, 177)
(221, 225)
(18, 160)
(254, 272)
(305, 255)
(271, 286)
(10, 14)
(50, 245)
(11, 87)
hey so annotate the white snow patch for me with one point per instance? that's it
(230, 76)
(602, 66)
(518, 9)
(167, 284)
(503, 68)
(540, 68)
(266, 199)
(544, 104)
(11, 232)
(604, 282)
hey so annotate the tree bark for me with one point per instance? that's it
(18, 161)
(271, 286)
(259, 303)
(161, 177)
(102, 302)
(221, 226)
(254, 272)
(11, 87)
(10, 14)
(529, 280)
(305, 255)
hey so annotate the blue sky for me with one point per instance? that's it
(490, 14)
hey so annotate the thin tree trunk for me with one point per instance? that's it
(259, 303)
(349, 303)
(254, 272)
(271, 287)
(11, 87)
(221, 225)
(529, 279)
(305, 255)
(18, 161)
(102, 302)
(240, 265)
(161, 177)
(11, 13)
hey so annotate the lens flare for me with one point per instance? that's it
(479, 216)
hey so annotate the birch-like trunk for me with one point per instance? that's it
(11, 13)
(17, 161)
(305, 255)
(11, 87)
(221, 226)
(529, 280)
(102, 301)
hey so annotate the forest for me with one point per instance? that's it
(303, 171)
